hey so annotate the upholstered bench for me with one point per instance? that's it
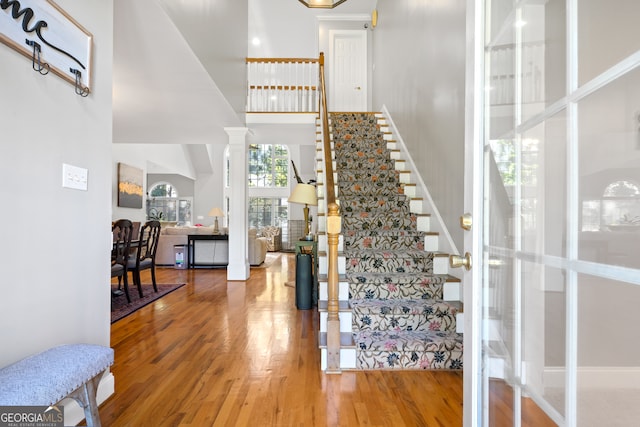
(46, 378)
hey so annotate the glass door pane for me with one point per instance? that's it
(561, 201)
(525, 201)
(601, 26)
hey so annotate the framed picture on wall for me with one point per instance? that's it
(129, 186)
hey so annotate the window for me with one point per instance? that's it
(265, 211)
(268, 179)
(268, 166)
(617, 210)
(164, 204)
(163, 189)
(268, 182)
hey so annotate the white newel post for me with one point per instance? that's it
(238, 268)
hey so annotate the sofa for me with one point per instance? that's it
(274, 234)
(172, 236)
(257, 247)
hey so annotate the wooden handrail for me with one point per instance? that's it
(333, 230)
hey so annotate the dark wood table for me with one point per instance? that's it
(193, 238)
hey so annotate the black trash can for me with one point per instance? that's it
(304, 282)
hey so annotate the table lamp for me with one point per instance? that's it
(216, 212)
(304, 194)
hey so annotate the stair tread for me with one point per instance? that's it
(389, 232)
(343, 306)
(408, 340)
(346, 340)
(388, 253)
(401, 305)
(322, 277)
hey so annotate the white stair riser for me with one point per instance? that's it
(415, 206)
(410, 190)
(441, 265)
(431, 243)
(460, 323)
(452, 291)
(424, 223)
(347, 358)
(343, 291)
(320, 190)
(345, 321)
(320, 177)
(322, 224)
(323, 244)
(405, 178)
(323, 264)
(320, 164)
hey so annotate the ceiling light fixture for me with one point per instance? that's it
(322, 4)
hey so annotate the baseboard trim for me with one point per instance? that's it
(596, 377)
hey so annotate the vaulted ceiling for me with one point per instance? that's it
(179, 71)
(162, 91)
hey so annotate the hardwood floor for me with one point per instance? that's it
(218, 353)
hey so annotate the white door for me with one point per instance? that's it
(347, 70)
(554, 142)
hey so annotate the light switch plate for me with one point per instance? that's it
(74, 177)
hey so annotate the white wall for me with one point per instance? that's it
(419, 60)
(216, 31)
(151, 158)
(55, 241)
(209, 188)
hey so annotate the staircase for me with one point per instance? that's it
(393, 314)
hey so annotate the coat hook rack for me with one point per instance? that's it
(80, 90)
(36, 62)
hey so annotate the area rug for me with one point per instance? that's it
(120, 308)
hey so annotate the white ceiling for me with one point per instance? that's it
(161, 91)
(165, 77)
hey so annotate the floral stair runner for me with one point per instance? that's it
(399, 318)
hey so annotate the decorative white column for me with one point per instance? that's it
(238, 268)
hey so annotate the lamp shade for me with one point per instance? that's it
(304, 194)
(216, 212)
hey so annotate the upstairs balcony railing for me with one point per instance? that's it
(282, 85)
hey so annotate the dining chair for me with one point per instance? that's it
(122, 231)
(145, 258)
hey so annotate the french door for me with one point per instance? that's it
(553, 149)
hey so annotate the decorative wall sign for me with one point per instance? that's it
(43, 32)
(129, 186)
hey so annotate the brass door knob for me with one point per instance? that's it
(456, 261)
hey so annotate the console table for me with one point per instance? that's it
(213, 250)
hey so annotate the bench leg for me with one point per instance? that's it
(86, 398)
